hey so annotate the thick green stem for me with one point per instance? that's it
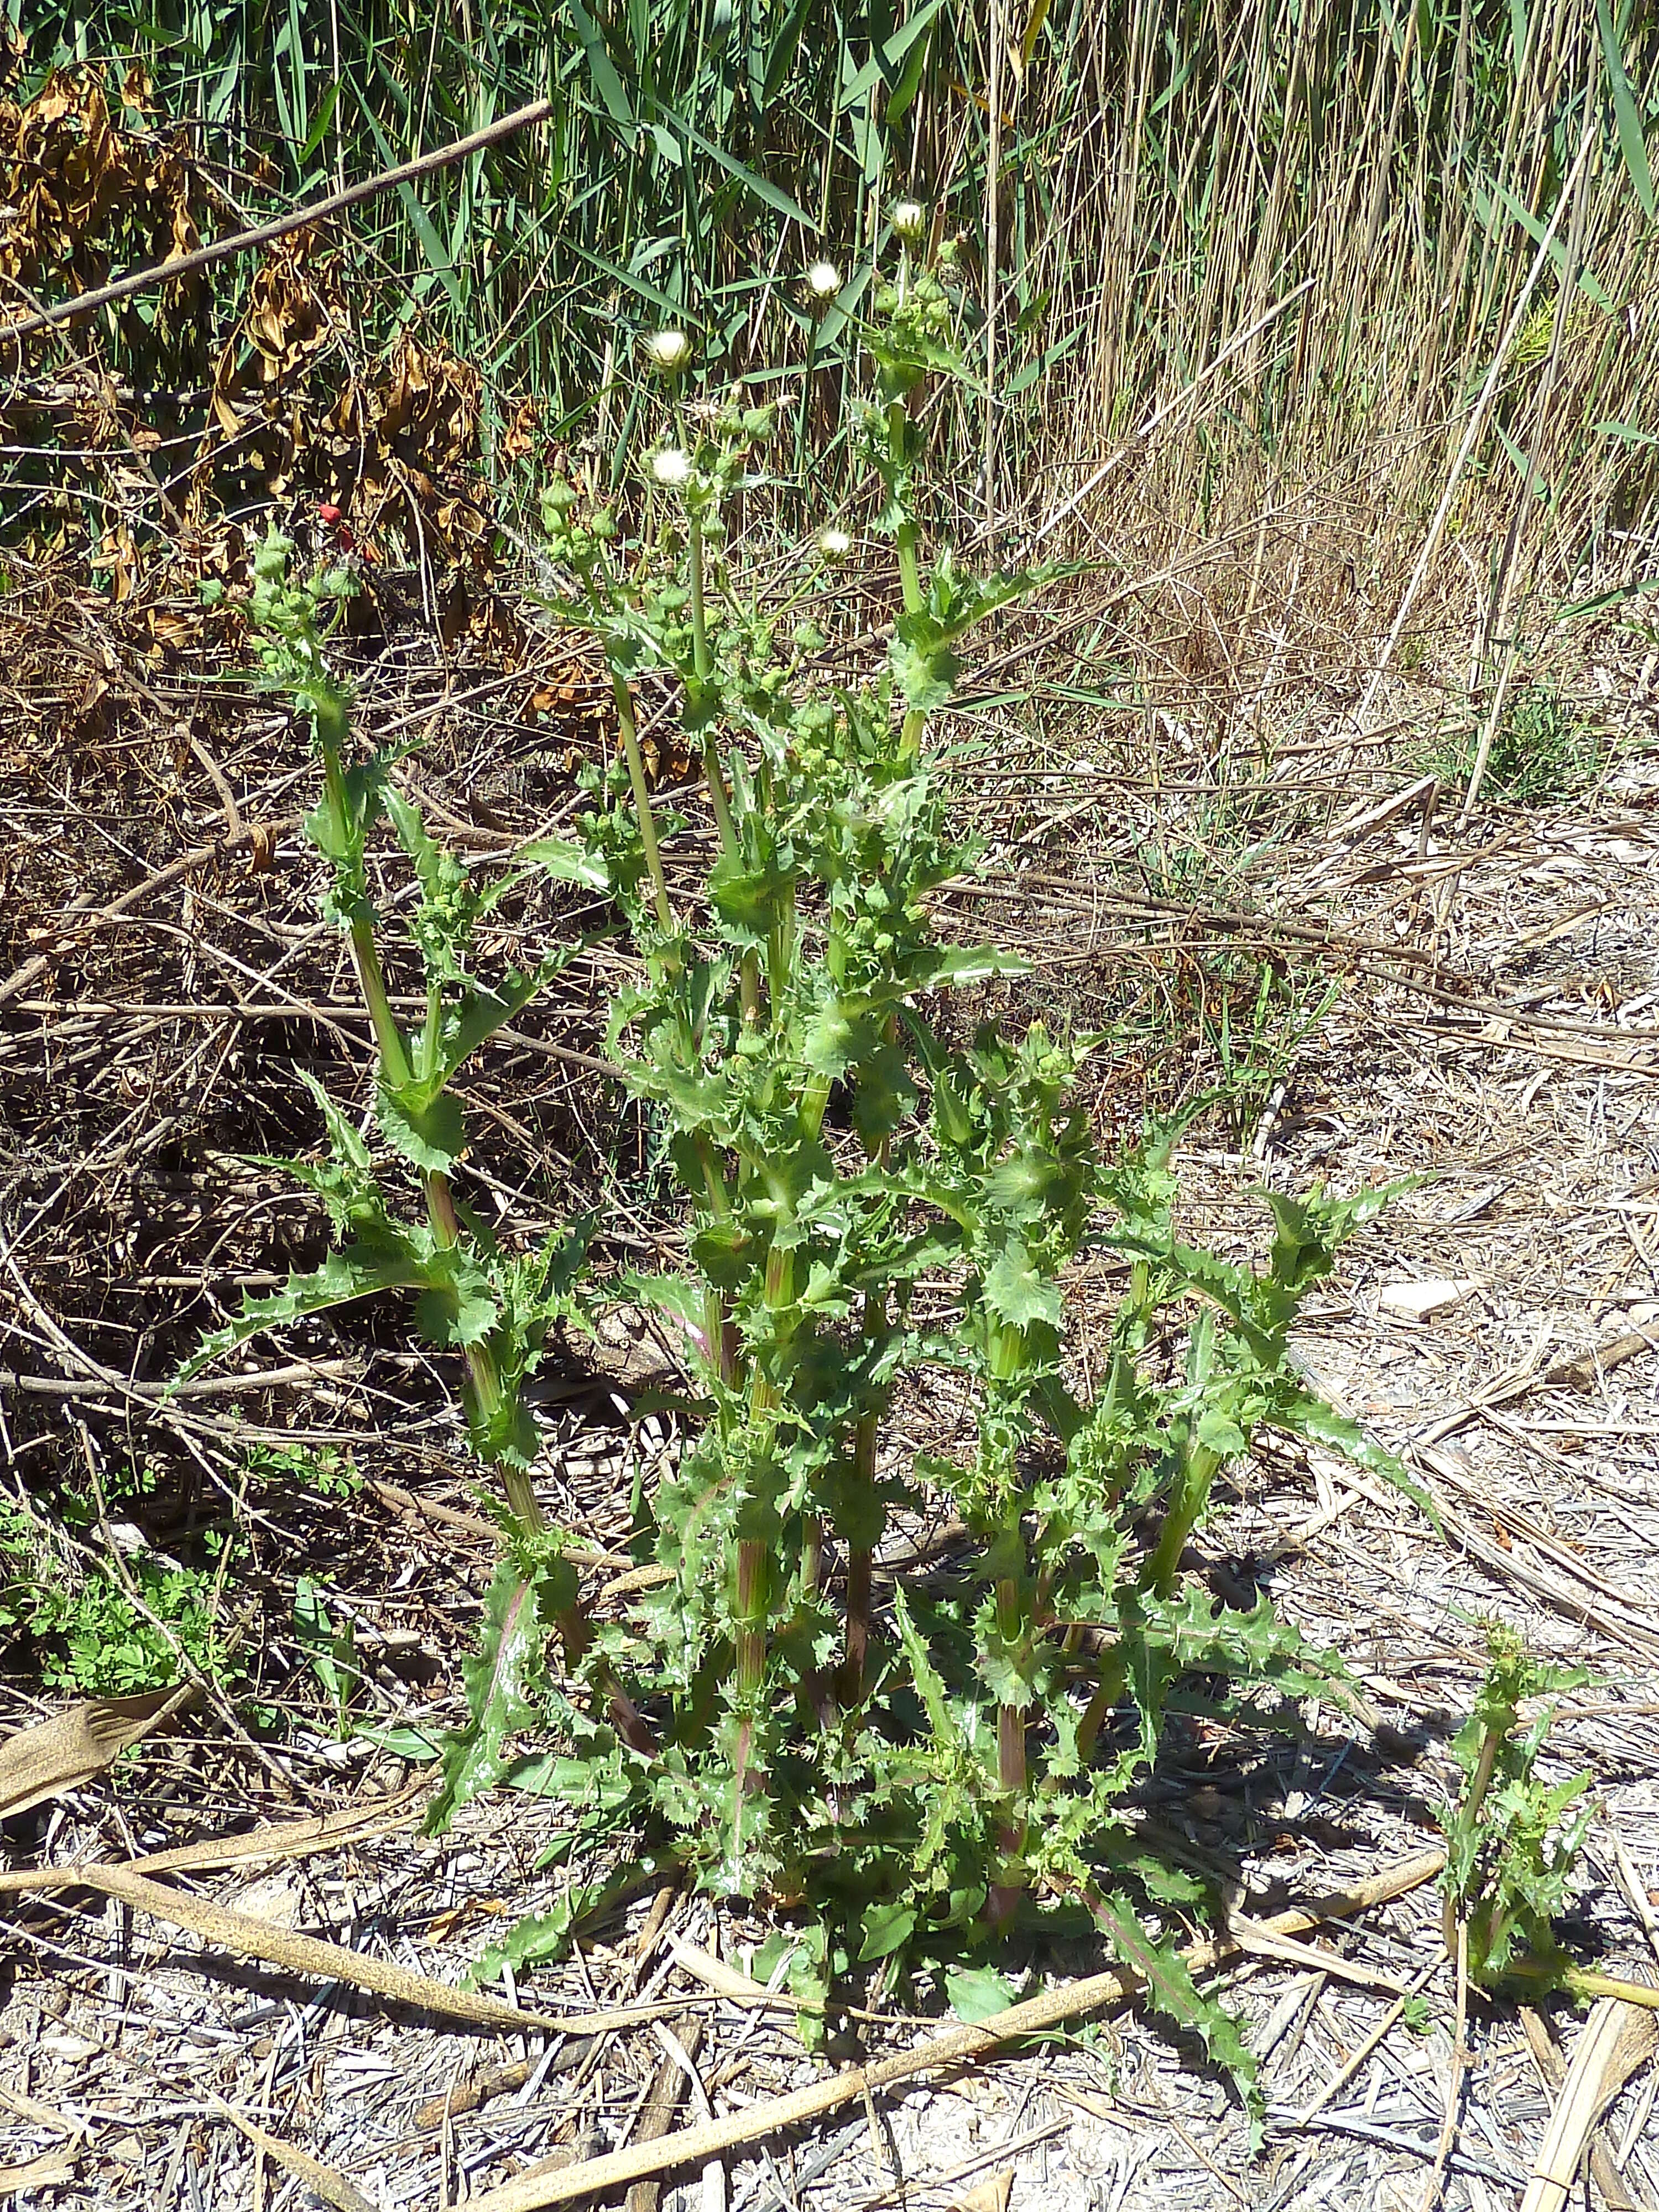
(389, 1041)
(909, 569)
(630, 738)
(865, 1438)
(1185, 1510)
(701, 660)
(1468, 1815)
(703, 665)
(1108, 1690)
(751, 1610)
(431, 1040)
(908, 534)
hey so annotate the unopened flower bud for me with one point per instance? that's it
(834, 545)
(667, 351)
(823, 279)
(671, 466)
(910, 221)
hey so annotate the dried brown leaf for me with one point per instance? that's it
(61, 1753)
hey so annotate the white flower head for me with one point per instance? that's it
(910, 221)
(823, 279)
(667, 351)
(834, 545)
(671, 466)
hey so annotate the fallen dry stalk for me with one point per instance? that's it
(322, 2180)
(597, 2176)
(72, 1747)
(249, 1938)
(292, 1839)
(1613, 2043)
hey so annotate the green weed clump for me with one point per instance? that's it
(882, 1199)
(103, 1629)
(1545, 749)
(1513, 1839)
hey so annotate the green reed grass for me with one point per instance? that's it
(1165, 176)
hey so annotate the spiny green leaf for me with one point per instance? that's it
(506, 1683)
(541, 1938)
(1171, 1990)
(356, 1272)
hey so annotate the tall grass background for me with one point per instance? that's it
(1270, 296)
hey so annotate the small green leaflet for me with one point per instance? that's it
(503, 1686)
(1017, 1293)
(887, 1929)
(977, 1993)
(566, 863)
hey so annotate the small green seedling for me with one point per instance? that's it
(1512, 1840)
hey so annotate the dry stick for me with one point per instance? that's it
(289, 1839)
(322, 2180)
(1599, 2071)
(187, 264)
(658, 2118)
(1477, 422)
(248, 1937)
(1341, 2079)
(1634, 2047)
(762, 2122)
(1460, 2060)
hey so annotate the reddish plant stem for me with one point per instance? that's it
(750, 1670)
(1003, 1897)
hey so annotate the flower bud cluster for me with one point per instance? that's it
(442, 924)
(283, 616)
(703, 474)
(570, 542)
(918, 317)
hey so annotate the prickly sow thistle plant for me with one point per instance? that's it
(1512, 1839)
(901, 1763)
(879, 1197)
(471, 1295)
